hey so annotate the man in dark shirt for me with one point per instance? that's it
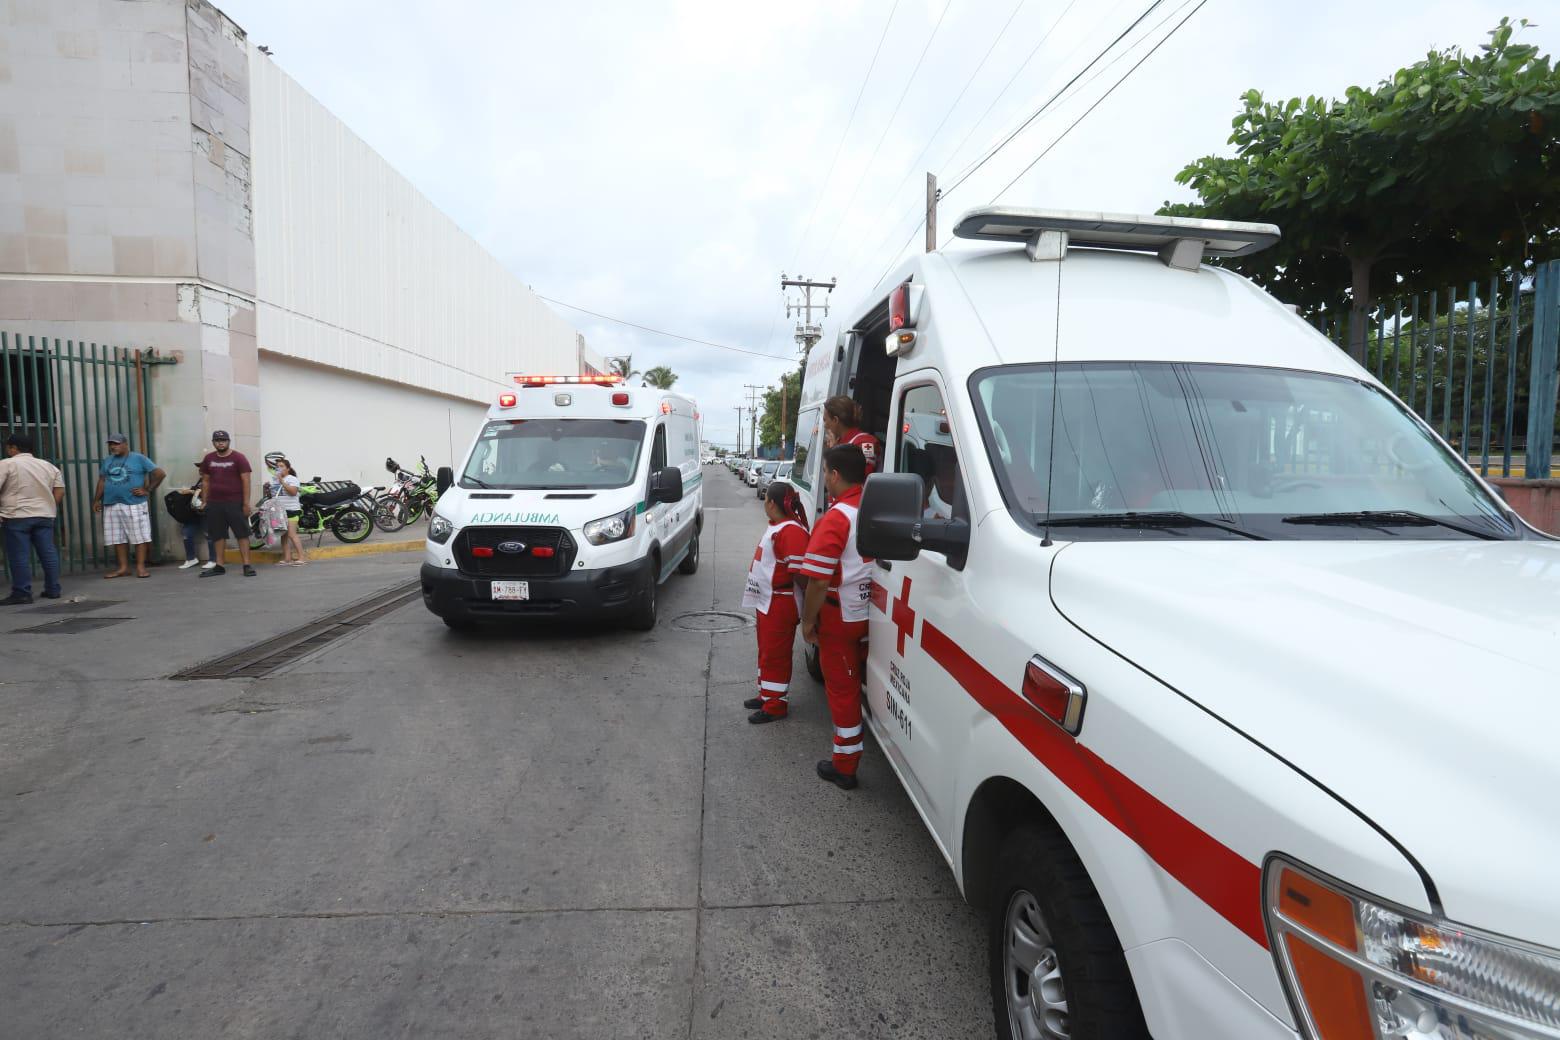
(224, 487)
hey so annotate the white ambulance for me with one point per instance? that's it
(577, 499)
(1229, 692)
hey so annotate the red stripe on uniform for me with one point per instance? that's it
(1215, 873)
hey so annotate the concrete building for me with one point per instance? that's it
(164, 186)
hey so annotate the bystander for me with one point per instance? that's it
(224, 487)
(126, 480)
(30, 494)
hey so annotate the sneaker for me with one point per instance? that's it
(758, 718)
(212, 570)
(51, 595)
(208, 565)
(187, 564)
(15, 599)
(753, 702)
(249, 572)
(844, 781)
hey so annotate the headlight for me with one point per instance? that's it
(612, 528)
(439, 529)
(1356, 969)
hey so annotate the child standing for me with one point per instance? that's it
(770, 592)
(285, 490)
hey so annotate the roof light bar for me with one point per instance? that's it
(528, 380)
(1181, 242)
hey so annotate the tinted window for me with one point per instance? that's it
(555, 453)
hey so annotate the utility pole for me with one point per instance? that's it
(739, 429)
(932, 195)
(808, 332)
(753, 417)
(783, 389)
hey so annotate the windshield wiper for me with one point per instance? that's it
(1386, 518)
(464, 480)
(1164, 520)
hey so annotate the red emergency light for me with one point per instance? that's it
(506, 400)
(482, 552)
(899, 307)
(620, 398)
(526, 380)
(543, 551)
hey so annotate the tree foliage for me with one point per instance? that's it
(623, 366)
(769, 428)
(1449, 169)
(660, 377)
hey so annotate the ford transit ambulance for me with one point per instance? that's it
(577, 499)
(1227, 689)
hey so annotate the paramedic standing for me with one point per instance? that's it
(126, 480)
(224, 487)
(30, 494)
(771, 591)
(834, 613)
(842, 422)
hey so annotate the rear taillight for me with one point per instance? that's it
(1054, 693)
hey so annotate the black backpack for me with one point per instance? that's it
(180, 506)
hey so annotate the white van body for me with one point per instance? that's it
(1209, 721)
(556, 510)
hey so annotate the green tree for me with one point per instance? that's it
(1449, 169)
(660, 377)
(623, 366)
(769, 429)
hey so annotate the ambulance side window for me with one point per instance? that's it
(926, 449)
(658, 451)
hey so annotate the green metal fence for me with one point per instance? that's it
(1478, 363)
(68, 397)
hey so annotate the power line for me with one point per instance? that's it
(844, 136)
(886, 127)
(1175, 29)
(1051, 100)
(663, 332)
(916, 162)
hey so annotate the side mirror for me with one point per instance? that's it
(666, 485)
(890, 524)
(446, 479)
(391, 464)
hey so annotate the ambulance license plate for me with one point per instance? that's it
(511, 590)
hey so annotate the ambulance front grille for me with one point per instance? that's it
(508, 562)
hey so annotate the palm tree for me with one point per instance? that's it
(660, 377)
(624, 367)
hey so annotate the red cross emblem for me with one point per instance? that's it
(902, 616)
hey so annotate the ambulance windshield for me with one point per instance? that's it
(555, 454)
(1259, 452)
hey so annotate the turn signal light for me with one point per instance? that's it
(1054, 693)
(482, 552)
(506, 400)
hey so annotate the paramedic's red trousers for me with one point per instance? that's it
(776, 643)
(841, 649)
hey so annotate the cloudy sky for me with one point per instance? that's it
(663, 161)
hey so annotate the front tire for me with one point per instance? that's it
(1057, 970)
(644, 615)
(690, 562)
(352, 525)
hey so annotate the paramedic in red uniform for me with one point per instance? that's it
(771, 591)
(834, 612)
(842, 422)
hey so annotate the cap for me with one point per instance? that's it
(118, 438)
(220, 435)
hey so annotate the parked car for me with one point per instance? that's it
(763, 475)
(771, 473)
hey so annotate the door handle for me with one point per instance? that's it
(886, 565)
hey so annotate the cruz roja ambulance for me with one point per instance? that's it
(1227, 689)
(577, 499)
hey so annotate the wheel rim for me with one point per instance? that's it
(1032, 973)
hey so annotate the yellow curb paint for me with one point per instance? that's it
(334, 552)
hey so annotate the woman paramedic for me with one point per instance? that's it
(770, 591)
(842, 425)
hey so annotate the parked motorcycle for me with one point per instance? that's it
(333, 506)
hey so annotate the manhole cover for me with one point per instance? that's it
(712, 621)
(70, 626)
(79, 606)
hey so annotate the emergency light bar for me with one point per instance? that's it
(529, 381)
(1181, 242)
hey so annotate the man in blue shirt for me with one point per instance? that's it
(126, 481)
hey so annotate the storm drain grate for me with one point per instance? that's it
(264, 658)
(712, 621)
(80, 606)
(70, 626)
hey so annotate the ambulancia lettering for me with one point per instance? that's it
(514, 518)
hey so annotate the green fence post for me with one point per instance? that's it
(1429, 409)
(1489, 375)
(1397, 348)
(1451, 366)
(1513, 319)
(1542, 378)
(1467, 417)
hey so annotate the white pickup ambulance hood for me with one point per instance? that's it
(1418, 680)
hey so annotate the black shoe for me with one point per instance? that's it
(15, 599)
(214, 571)
(826, 771)
(249, 572)
(51, 595)
(753, 702)
(758, 718)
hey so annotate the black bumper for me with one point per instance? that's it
(609, 592)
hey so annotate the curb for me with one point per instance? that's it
(333, 552)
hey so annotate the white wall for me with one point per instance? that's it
(357, 270)
(340, 426)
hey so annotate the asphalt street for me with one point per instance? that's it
(553, 832)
